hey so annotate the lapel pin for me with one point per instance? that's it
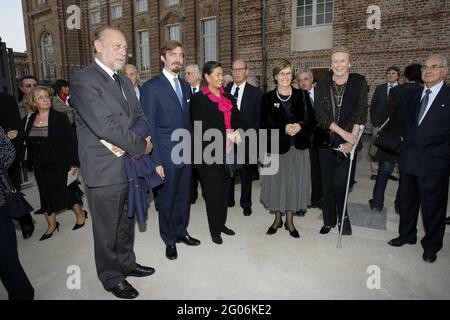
(276, 105)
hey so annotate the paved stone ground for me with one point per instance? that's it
(250, 265)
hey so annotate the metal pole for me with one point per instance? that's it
(352, 156)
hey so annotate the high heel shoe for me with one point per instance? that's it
(273, 230)
(49, 235)
(294, 233)
(78, 226)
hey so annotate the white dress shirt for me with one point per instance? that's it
(170, 77)
(110, 73)
(434, 92)
(240, 94)
(138, 93)
(311, 95)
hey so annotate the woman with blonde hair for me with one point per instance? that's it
(52, 151)
(341, 107)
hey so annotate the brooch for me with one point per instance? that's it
(276, 105)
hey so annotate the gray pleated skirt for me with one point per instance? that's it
(290, 188)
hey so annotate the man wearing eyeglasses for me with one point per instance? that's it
(425, 160)
(248, 100)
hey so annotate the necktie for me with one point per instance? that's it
(423, 105)
(311, 98)
(194, 90)
(236, 93)
(389, 88)
(117, 80)
(178, 91)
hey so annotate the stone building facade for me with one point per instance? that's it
(379, 33)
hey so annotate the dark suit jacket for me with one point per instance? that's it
(379, 101)
(426, 148)
(206, 111)
(274, 117)
(103, 113)
(165, 114)
(10, 120)
(62, 143)
(250, 104)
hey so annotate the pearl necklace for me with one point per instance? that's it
(283, 100)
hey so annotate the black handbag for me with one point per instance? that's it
(230, 162)
(387, 142)
(15, 201)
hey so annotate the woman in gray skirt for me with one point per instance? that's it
(288, 112)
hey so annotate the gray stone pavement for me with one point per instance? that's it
(250, 265)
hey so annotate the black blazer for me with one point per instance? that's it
(379, 100)
(274, 117)
(62, 140)
(206, 111)
(250, 104)
(10, 120)
(426, 148)
(354, 104)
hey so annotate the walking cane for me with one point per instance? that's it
(352, 155)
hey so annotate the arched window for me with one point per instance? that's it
(48, 62)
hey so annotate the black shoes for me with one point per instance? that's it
(326, 229)
(447, 220)
(393, 178)
(217, 239)
(300, 213)
(171, 252)
(78, 226)
(429, 257)
(373, 177)
(124, 290)
(247, 211)
(231, 204)
(141, 271)
(27, 230)
(273, 230)
(294, 233)
(187, 239)
(398, 242)
(49, 235)
(372, 206)
(316, 204)
(228, 232)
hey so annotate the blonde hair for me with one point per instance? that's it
(31, 96)
(342, 49)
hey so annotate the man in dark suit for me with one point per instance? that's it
(193, 77)
(305, 81)
(379, 101)
(106, 108)
(12, 126)
(131, 72)
(425, 160)
(248, 100)
(165, 100)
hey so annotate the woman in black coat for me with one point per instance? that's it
(215, 109)
(52, 149)
(341, 106)
(287, 112)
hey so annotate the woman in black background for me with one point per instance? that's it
(289, 111)
(52, 149)
(341, 106)
(216, 109)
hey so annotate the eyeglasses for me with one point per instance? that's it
(287, 74)
(29, 85)
(40, 98)
(238, 69)
(432, 68)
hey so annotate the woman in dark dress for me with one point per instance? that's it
(52, 148)
(215, 109)
(289, 112)
(341, 106)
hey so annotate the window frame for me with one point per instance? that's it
(205, 37)
(313, 14)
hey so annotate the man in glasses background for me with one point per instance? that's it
(27, 84)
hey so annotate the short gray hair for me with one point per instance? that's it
(125, 67)
(304, 70)
(440, 57)
(196, 70)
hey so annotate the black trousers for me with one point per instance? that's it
(247, 175)
(316, 183)
(113, 233)
(11, 272)
(334, 173)
(216, 186)
(195, 182)
(431, 195)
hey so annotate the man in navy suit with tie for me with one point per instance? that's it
(165, 100)
(379, 101)
(248, 100)
(425, 160)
